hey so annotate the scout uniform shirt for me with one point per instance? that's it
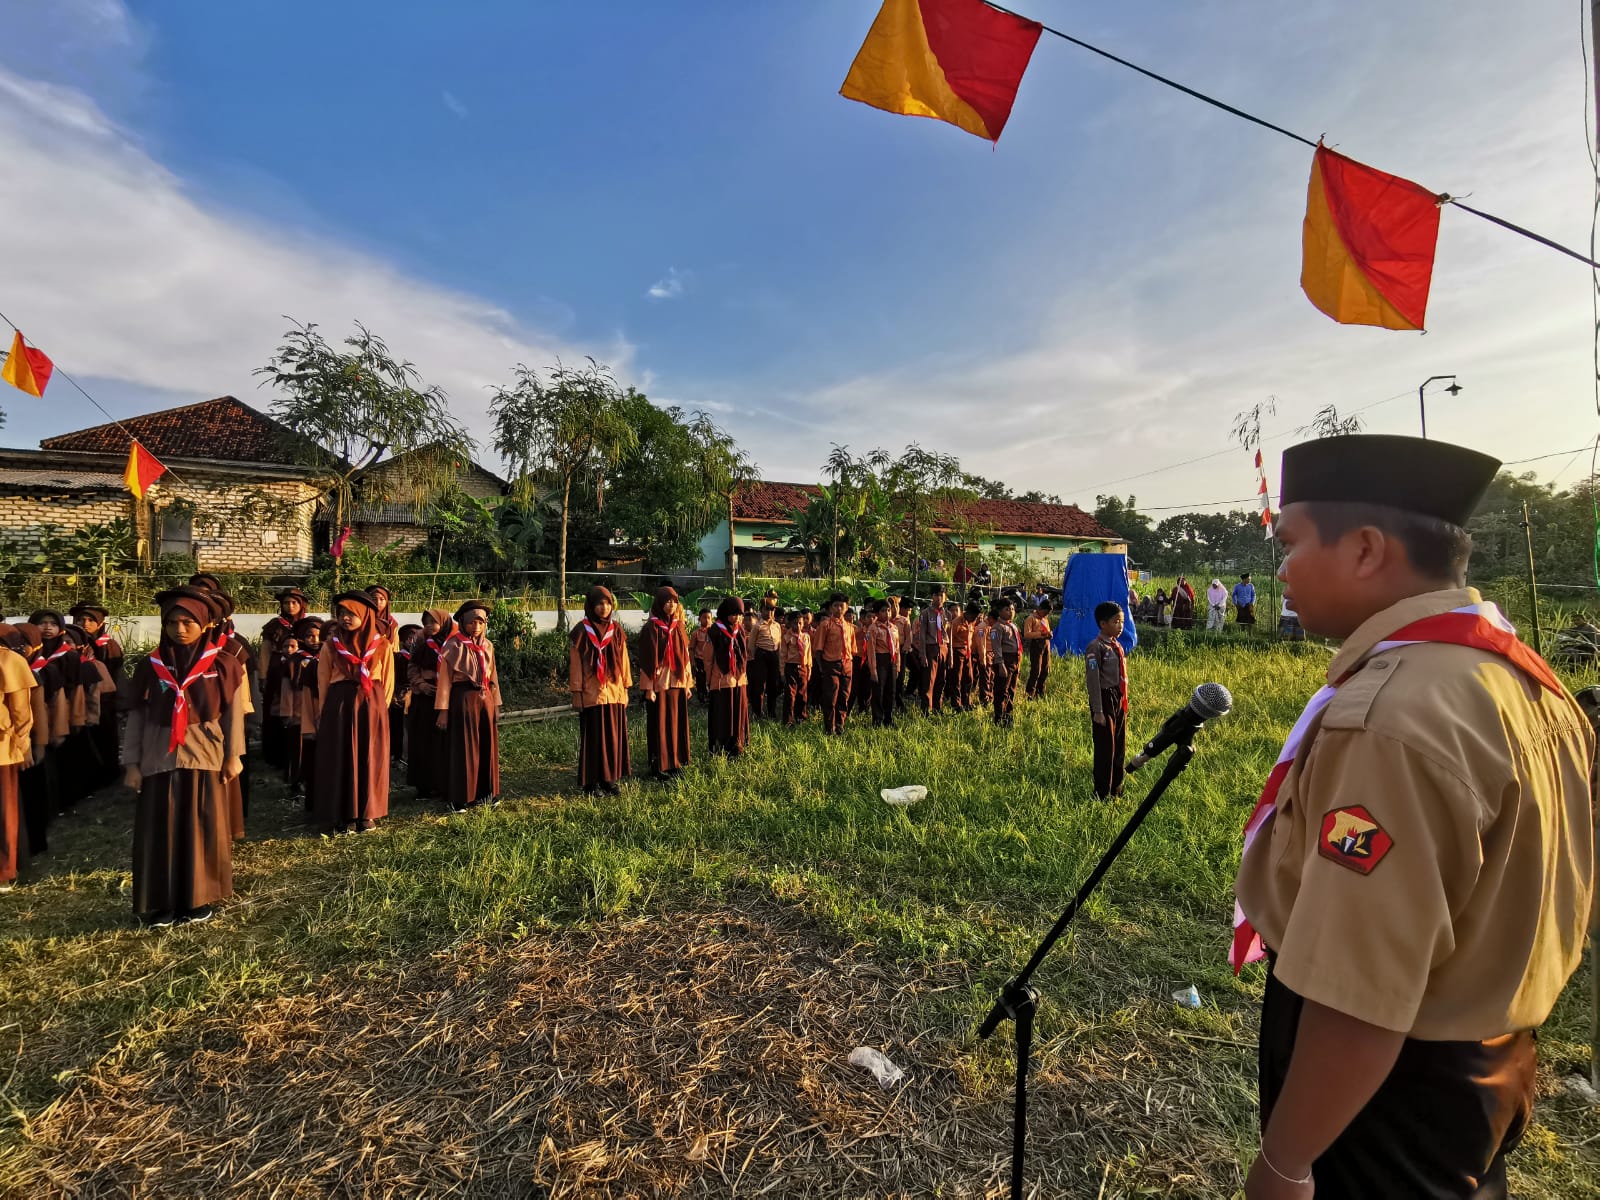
(1413, 874)
(1105, 671)
(1036, 629)
(931, 643)
(1005, 642)
(834, 641)
(795, 651)
(902, 623)
(700, 646)
(765, 635)
(882, 638)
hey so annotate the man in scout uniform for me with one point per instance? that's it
(765, 644)
(932, 642)
(1419, 869)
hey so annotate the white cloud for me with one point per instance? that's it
(453, 103)
(129, 281)
(669, 287)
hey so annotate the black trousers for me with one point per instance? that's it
(1038, 668)
(1003, 674)
(835, 694)
(1110, 745)
(766, 684)
(883, 690)
(1439, 1127)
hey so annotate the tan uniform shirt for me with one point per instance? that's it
(700, 646)
(982, 643)
(796, 651)
(765, 635)
(1004, 641)
(206, 745)
(833, 641)
(585, 686)
(331, 669)
(903, 624)
(932, 635)
(1036, 629)
(1430, 866)
(1103, 672)
(18, 685)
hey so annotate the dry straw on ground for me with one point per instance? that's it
(701, 1054)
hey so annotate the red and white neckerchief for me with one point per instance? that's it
(597, 640)
(1481, 626)
(361, 663)
(40, 662)
(103, 640)
(483, 656)
(938, 631)
(892, 636)
(180, 702)
(1122, 662)
(666, 628)
(729, 632)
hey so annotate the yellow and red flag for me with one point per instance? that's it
(142, 470)
(956, 60)
(27, 368)
(1368, 244)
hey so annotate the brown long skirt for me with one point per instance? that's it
(38, 787)
(427, 746)
(182, 852)
(106, 738)
(469, 773)
(666, 729)
(603, 755)
(352, 757)
(13, 830)
(728, 728)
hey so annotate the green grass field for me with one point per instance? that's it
(655, 994)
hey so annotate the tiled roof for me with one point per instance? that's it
(58, 479)
(772, 503)
(224, 429)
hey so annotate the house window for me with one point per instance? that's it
(1005, 548)
(177, 534)
(1047, 549)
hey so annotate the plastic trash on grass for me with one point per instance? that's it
(903, 796)
(1189, 997)
(884, 1071)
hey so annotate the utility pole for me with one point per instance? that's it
(1594, 938)
(1533, 583)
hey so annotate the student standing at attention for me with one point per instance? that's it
(1005, 654)
(427, 751)
(17, 748)
(184, 740)
(466, 699)
(270, 662)
(727, 672)
(933, 652)
(92, 619)
(1036, 639)
(883, 662)
(766, 669)
(1106, 666)
(306, 703)
(355, 678)
(796, 656)
(599, 676)
(699, 650)
(958, 679)
(665, 679)
(833, 660)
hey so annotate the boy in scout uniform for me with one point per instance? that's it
(1106, 679)
(958, 676)
(765, 644)
(933, 653)
(1419, 869)
(833, 650)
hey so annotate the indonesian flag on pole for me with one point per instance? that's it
(1263, 498)
(142, 470)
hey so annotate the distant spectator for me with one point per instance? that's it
(1289, 627)
(1244, 601)
(1216, 605)
(1183, 605)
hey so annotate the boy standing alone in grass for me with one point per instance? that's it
(1107, 677)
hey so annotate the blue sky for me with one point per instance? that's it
(678, 190)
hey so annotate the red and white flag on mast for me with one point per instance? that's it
(1263, 498)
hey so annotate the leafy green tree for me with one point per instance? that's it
(923, 483)
(720, 467)
(350, 407)
(1123, 517)
(568, 428)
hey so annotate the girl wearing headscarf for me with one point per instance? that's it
(399, 742)
(230, 645)
(427, 749)
(728, 727)
(88, 683)
(1216, 606)
(599, 676)
(38, 781)
(184, 741)
(306, 701)
(466, 705)
(355, 680)
(91, 618)
(1183, 605)
(665, 677)
(17, 749)
(385, 619)
(271, 663)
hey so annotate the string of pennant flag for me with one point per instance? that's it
(1369, 237)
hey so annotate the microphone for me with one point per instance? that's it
(1209, 700)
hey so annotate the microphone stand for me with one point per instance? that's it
(1019, 1000)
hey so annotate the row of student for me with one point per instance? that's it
(950, 656)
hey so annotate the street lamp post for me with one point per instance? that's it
(1454, 389)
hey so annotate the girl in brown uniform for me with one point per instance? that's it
(184, 739)
(466, 704)
(91, 618)
(271, 663)
(665, 678)
(17, 749)
(728, 726)
(355, 679)
(426, 748)
(306, 701)
(599, 676)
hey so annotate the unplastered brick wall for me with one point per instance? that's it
(381, 535)
(24, 519)
(229, 535)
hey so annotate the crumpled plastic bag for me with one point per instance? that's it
(903, 796)
(884, 1071)
(1189, 997)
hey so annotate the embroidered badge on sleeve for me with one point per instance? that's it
(1351, 838)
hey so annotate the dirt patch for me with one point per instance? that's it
(702, 1054)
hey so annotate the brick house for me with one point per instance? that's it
(392, 513)
(235, 497)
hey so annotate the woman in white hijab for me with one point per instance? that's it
(1217, 605)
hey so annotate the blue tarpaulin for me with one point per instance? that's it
(1092, 579)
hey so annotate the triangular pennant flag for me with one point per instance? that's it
(27, 368)
(956, 60)
(142, 470)
(1368, 244)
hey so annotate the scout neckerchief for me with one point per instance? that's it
(667, 628)
(360, 664)
(728, 633)
(1481, 626)
(1122, 664)
(892, 635)
(40, 662)
(596, 640)
(483, 654)
(1012, 627)
(180, 702)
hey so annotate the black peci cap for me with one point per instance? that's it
(1415, 475)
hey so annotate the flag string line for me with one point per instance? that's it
(1443, 197)
(55, 369)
